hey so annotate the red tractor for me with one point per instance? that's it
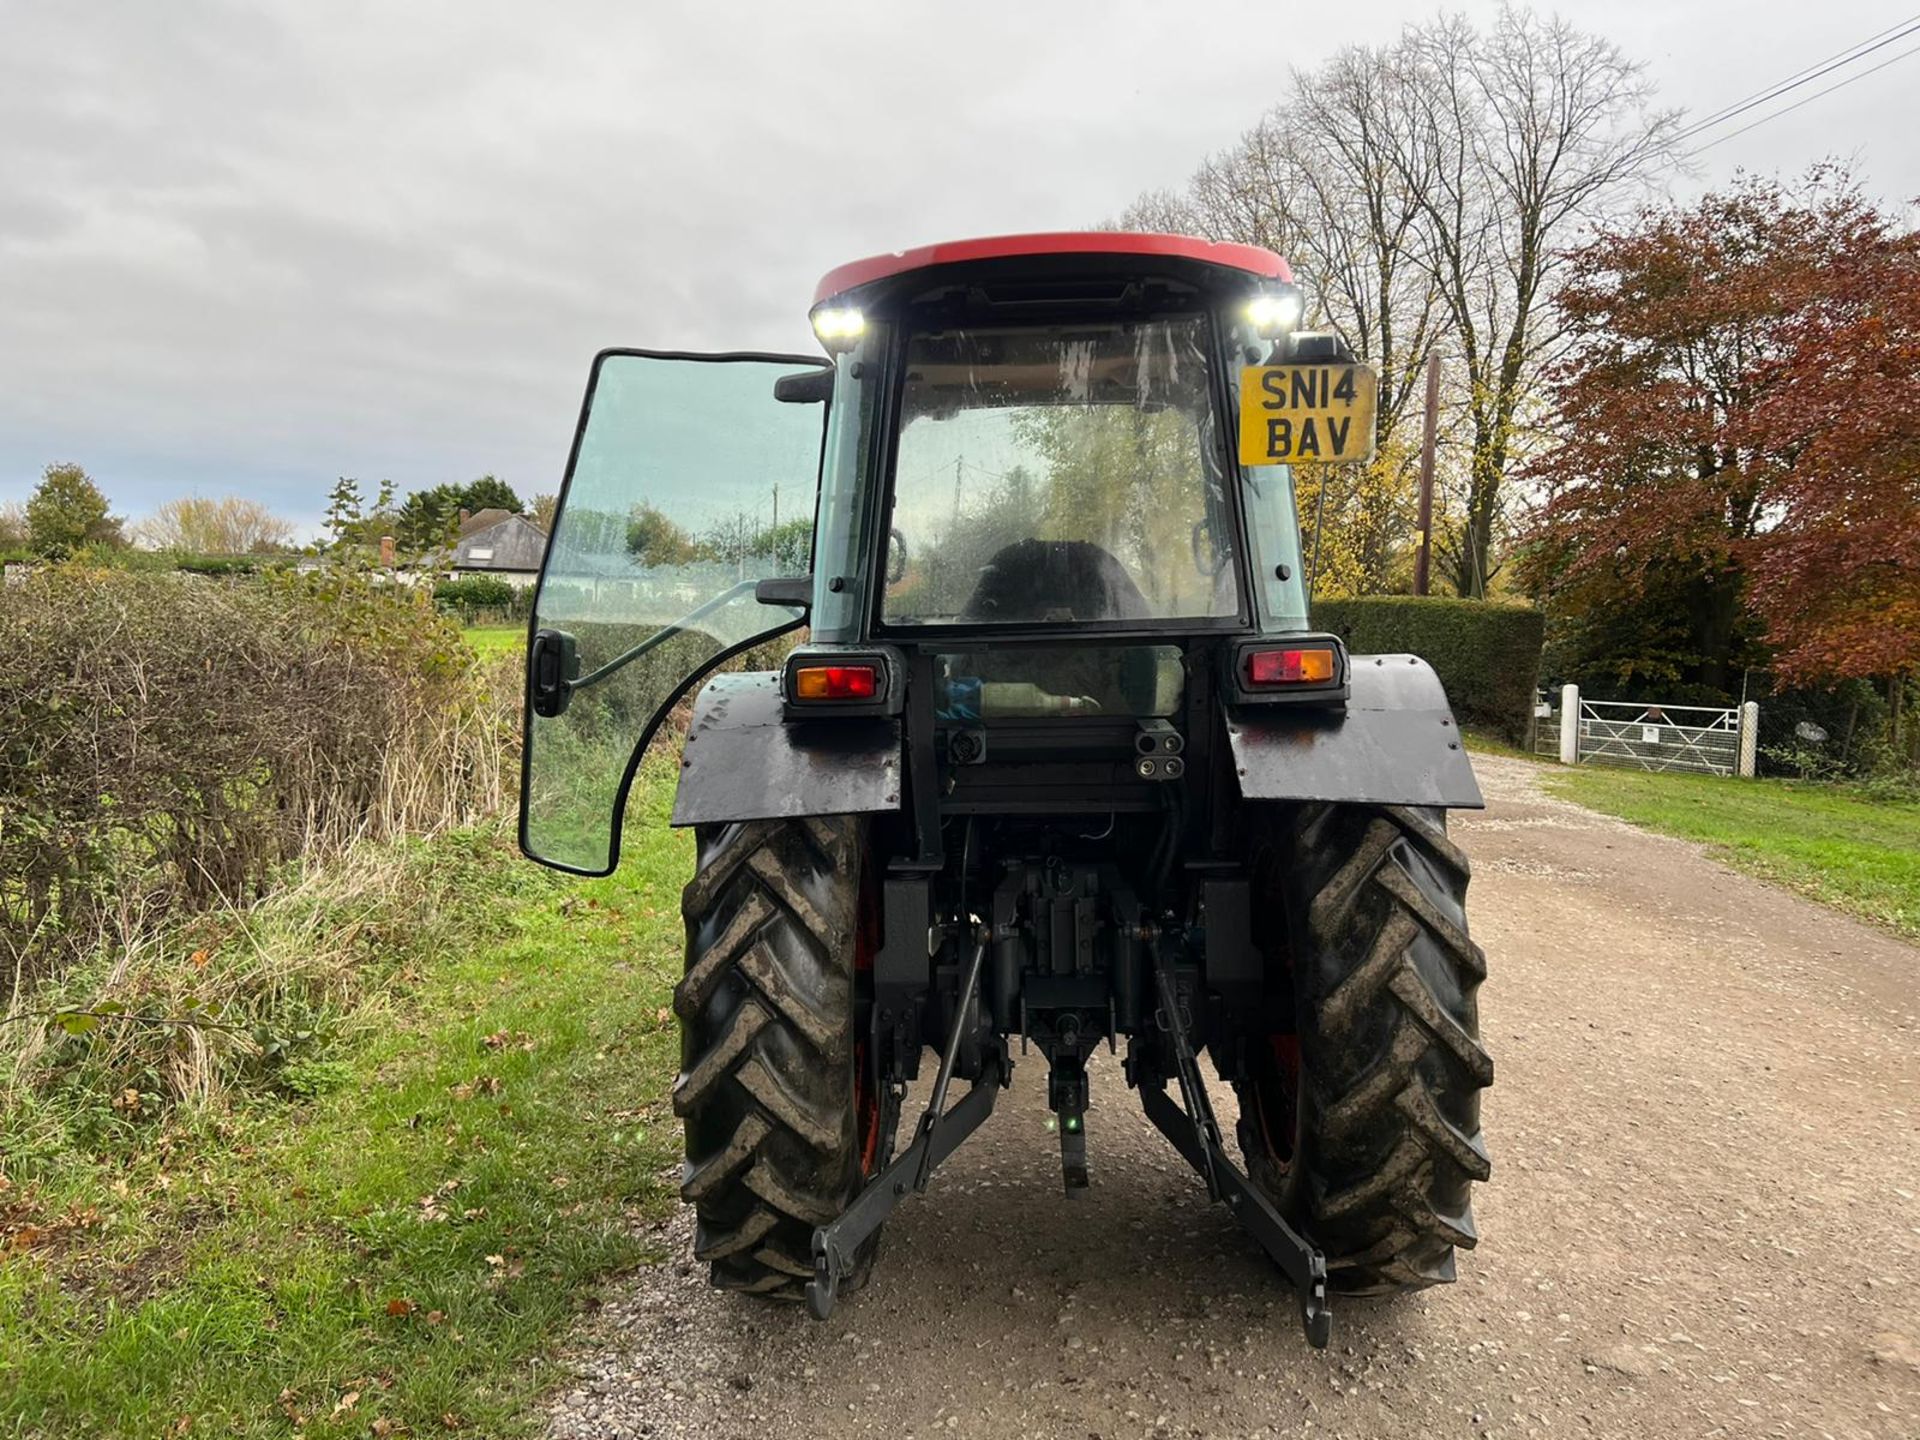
(1059, 760)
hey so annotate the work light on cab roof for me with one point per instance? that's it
(1060, 757)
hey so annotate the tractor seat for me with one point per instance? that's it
(1042, 581)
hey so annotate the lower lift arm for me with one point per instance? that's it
(1195, 1133)
(937, 1136)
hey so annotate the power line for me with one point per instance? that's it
(1857, 51)
(1788, 109)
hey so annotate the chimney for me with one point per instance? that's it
(386, 552)
(465, 515)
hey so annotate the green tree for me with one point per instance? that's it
(1125, 478)
(1366, 526)
(431, 517)
(490, 492)
(654, 539)
(344, 506)
(427, 518)
(67, 512)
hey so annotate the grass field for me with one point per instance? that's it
(395, 1251)
(1835, 845)
(496, 639)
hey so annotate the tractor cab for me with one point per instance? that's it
(1018, 469)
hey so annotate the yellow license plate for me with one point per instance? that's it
(1293, 414)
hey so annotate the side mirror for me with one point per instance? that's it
(810, 387)
(796, 591)
(896, 557)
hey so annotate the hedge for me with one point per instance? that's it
(1487, 653)
(470, 592)
(204, 735)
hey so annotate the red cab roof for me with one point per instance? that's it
(1250, 258)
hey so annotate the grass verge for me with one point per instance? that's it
(386, 1235)
(1489, 742)
(1855, 853)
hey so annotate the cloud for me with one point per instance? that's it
(247, 247)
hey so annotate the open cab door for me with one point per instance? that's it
(689, 483)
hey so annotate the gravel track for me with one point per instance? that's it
(1702, 1219)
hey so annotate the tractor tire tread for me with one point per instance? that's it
(1391, 1060)
(766, 1079)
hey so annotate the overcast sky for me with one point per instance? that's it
(247, 247)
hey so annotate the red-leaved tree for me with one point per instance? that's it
(1836, 564)
(1737, 434)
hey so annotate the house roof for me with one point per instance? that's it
(508, 542)
(482, 520)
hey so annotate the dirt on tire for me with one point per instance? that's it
(1703, 1222)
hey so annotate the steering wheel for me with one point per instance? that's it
(1220, 561)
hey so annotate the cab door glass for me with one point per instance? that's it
(690, 482)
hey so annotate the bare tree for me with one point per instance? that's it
(1316, 180)
(1425, 190)
(1518, 138)
(229, 525)
(1359, 214)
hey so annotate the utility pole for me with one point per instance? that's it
(1423, 556)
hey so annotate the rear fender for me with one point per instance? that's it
(1395, 743)
(743, 761)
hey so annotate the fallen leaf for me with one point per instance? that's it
(434, 1317)
(200, 958)
(400, 1307)
(346, 1402)
(450, 1420)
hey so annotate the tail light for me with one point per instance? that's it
(1295, 665)
(835, 682)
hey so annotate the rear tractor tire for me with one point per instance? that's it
(776, 1136)
(1363, 1123)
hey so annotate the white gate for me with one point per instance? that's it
(1632, 735)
